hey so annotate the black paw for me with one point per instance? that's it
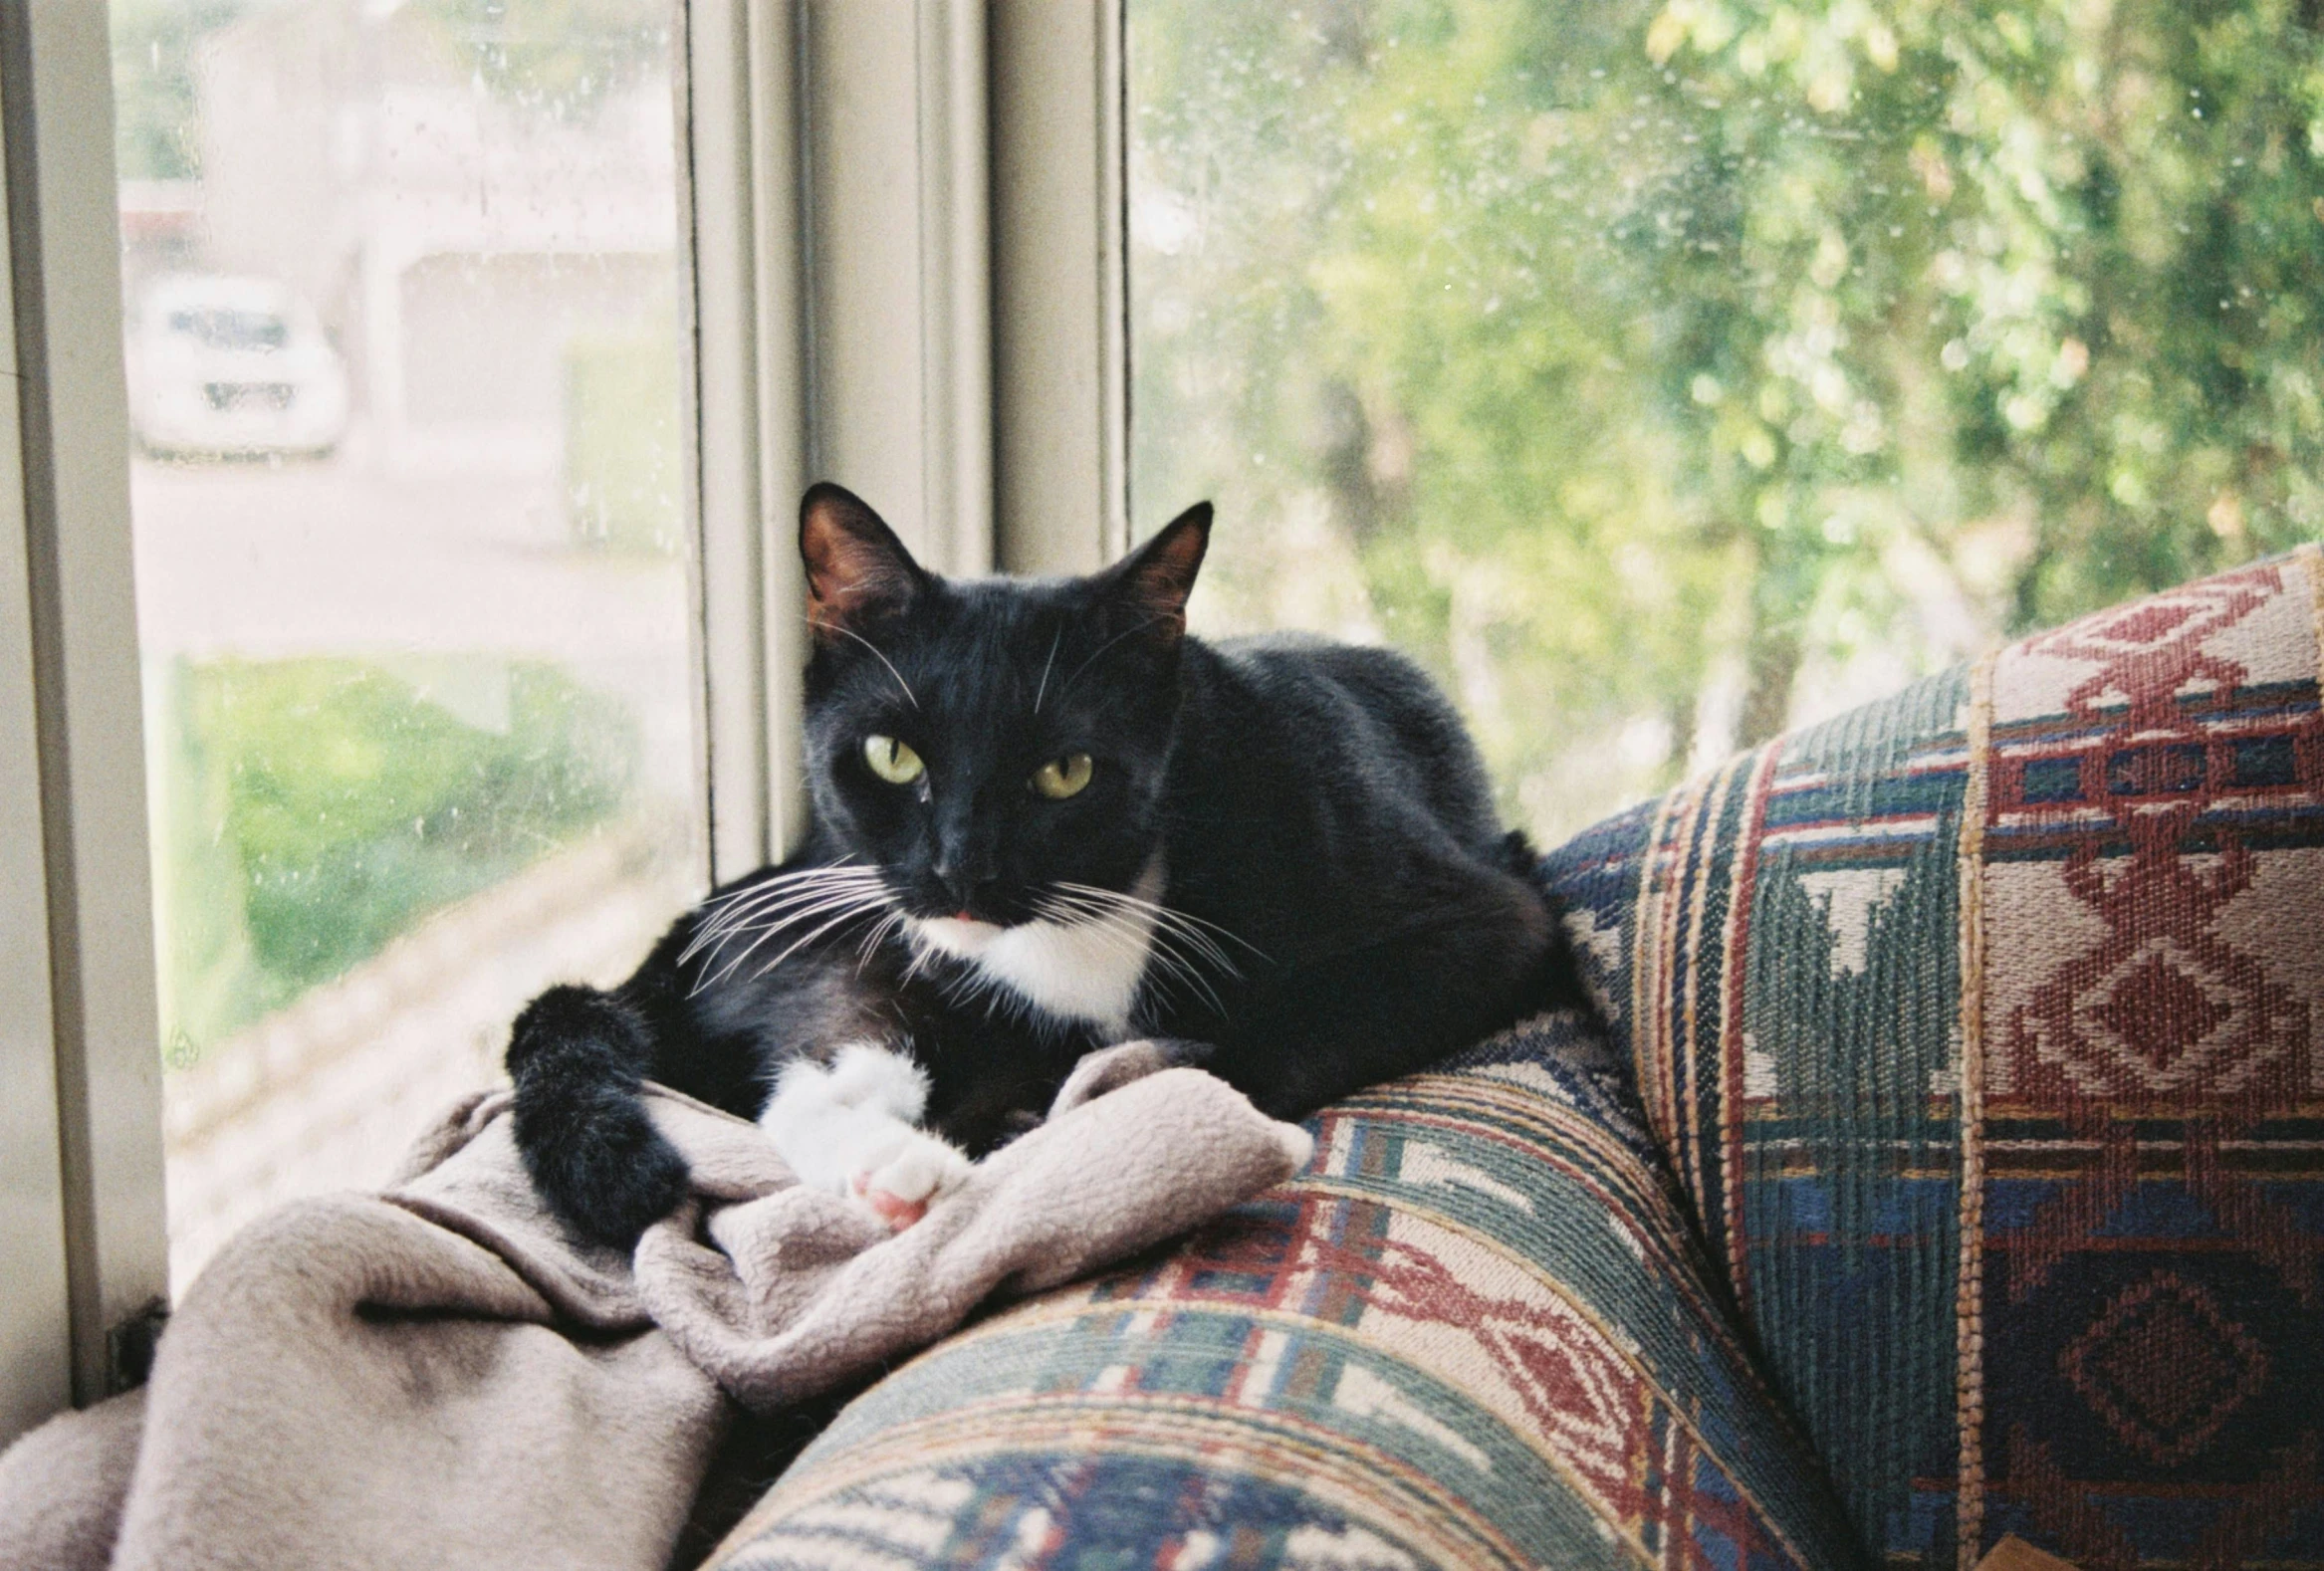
(578, 1021)
(581, 1124)
(599, 1164)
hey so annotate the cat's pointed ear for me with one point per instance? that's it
(1156, 579)
(856, 568)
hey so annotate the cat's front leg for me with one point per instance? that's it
(578, 1057)
(852, 1127)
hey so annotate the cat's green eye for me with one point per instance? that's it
(891, 760)
(1062, 778)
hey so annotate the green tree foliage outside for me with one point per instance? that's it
(154, 120)
(1631, 350)
(321, 806)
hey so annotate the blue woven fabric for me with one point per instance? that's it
(1476, 1332)
(1981, 1027)
(1959, 1091)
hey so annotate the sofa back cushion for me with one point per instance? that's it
(1476, 1332)
(1984, 1028)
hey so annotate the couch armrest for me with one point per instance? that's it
(1476, 1332)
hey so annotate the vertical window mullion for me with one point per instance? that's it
(55, 91)
(838, 330)
(749, 414)
(723, 412)
(955, 289)
(36, 1311)
(898, 396)
(779, 284)
(1060, 358)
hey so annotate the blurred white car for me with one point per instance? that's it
(232, 367)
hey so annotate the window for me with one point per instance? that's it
(402, 299)
(1658, 373)
(1663, 375)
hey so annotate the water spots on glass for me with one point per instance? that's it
(405, 373)
(1878, 334)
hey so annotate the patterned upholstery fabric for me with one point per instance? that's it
(1978, 1133)
(1981, 1027)
(1475, 1334)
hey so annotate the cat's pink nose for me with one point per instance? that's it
(961, 915)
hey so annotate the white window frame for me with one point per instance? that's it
(36, 1346)
(1061, 349)
(903, 224)
(70, 604)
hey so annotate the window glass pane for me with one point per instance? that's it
(1662, 373)
(401, 291)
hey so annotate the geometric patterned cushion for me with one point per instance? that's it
(1984, 1030)
(1476, 1332)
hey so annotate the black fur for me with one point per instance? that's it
(1318, 802)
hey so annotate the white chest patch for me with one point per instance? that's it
(1082, 971)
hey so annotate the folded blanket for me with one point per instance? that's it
(437, 1377)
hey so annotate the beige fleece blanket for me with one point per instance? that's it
(435, 1377)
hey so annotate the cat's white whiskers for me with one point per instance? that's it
(1169, 924)
(1178, 966)
(1121, 941)
(879, 932)
(760, 917)
(874, 648)
(1187, 923)
(1167, 944)
(843, 916)
(1148, 947)
(1175, 915)
(1043, 690)
(1167, 931)
(1073, 959)
(1123, 897)
(742, 903)
(1174, 921)
(799, 911)
(738, 915)
(1186, 947)
(727, 906)
(847, 911)
(752, 918)
(776, 883)
(921, 955)
(1101, 648)
(730, 910)
(852, 903)
(789, 875)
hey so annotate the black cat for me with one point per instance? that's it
(1047, 821)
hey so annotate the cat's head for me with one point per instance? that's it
(989, 743)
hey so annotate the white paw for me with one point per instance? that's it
(831, 1123)
(864, 1074)
(921, 1171)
